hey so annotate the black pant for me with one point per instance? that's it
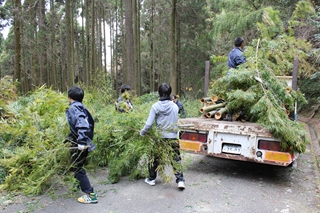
(154, 164)
(78, 160)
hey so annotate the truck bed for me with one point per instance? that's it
(234, 127)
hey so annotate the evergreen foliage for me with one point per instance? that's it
(264, 99)
(310, 87)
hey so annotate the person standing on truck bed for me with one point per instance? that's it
(165, 114)
(180, 105)
(236, 56)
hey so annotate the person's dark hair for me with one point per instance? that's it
(164, 90)
(76, 93)
(238, 41)
(125, 87)
(174, 97)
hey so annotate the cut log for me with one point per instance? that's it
(235, 116)
(218, 115)
(202, 100)
(210, 108)
(214, 98)
(208, 103)
(288, 90)
(211, 114)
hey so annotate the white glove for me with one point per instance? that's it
(81, 147)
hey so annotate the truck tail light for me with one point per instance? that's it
(202, 138)
(199, 137)
(269, 145)
(185, 136)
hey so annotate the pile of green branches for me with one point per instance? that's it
(120, 146)
(7, 93)
(33, 156)
(264, 99)
(32, 148)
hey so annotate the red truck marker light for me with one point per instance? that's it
(269, 145)
(194, 137)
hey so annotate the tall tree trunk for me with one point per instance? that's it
(17, 38)
(69, 50)
(53, 61)
(173, 71)
(34, 66)
(87, 58)
(104, 21)
(99, 36)
(113, 45)
(177, 53)
(84, 44)
(130, 68)
(152, 70)
(122, 70)
(93, 52)
(137, 38)
(42, 42)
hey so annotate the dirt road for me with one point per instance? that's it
(212, 185)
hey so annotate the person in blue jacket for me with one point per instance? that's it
(165, 114)
(180, 105)
(81, 126)
(236, 56)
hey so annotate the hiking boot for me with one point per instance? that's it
(88, 198)
(181, 185)
(150, 182)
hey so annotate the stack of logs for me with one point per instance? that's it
(213, 107)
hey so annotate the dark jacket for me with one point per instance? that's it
(81, 124)
(181, 109)
(236, 57)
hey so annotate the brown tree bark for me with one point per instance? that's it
(173, 60)
(152, 69)
(17, 38)
(137, 46)
(93, 44)
(42, 42)
(129, 71)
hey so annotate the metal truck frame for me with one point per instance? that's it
(235, 140)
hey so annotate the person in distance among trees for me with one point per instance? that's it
(124, 104)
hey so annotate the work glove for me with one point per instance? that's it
(81, 147)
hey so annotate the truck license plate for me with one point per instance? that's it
(234, 149)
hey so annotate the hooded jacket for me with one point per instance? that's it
(81, 124)
(165, 113)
